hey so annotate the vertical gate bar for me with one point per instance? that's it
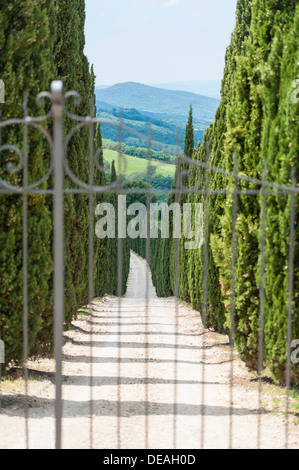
(177, 293)
(0, 309)
(178, 187)
(91, 270)
(147, 255)
(58, 155)
(233, 294)
(205, 288)
(262, 303)
(120, 253)
(290, 301)
(25, 269)
(119, 292)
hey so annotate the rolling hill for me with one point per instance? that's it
(167, 110)
(160, 102)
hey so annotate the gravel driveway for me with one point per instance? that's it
(148, 367)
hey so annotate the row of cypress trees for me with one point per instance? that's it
(255, 133)
(40, 42)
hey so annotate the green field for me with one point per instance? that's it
(132, 165)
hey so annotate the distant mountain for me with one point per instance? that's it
(166, 110)
(165, 132)
(209, 88)
(165, 103)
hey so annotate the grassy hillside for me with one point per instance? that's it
(133, 165)
(165, 133)
(162, 175)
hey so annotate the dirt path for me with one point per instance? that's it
(153, 358)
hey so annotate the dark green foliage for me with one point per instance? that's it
(24, 44)
(112, 242)
(138, 151)
(113, 173)
(262, 128)
(118, 250)
(165, 132)
(165, 110)
(40, 42)
(202, 271)
(184, 254)
(155, 101)
(189, 136)
(102, 252)
(256, 127)
(75, 73)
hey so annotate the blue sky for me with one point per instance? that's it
(156, 41)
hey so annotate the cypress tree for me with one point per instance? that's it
(189, 136)
(260, 107)
(102, 254)
(184, 254)
(113, 176)
(25, 45)
(203, 277)
(261, 122)
(76, 75)
(112, 242)
(279, 142)
(39, 43)
(256, 121)
(113, 245)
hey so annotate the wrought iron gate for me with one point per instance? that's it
(59, 168)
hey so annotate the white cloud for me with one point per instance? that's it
(170, 3)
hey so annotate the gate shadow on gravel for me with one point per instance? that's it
(138, 360)
(112, 344)
(127, 408)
